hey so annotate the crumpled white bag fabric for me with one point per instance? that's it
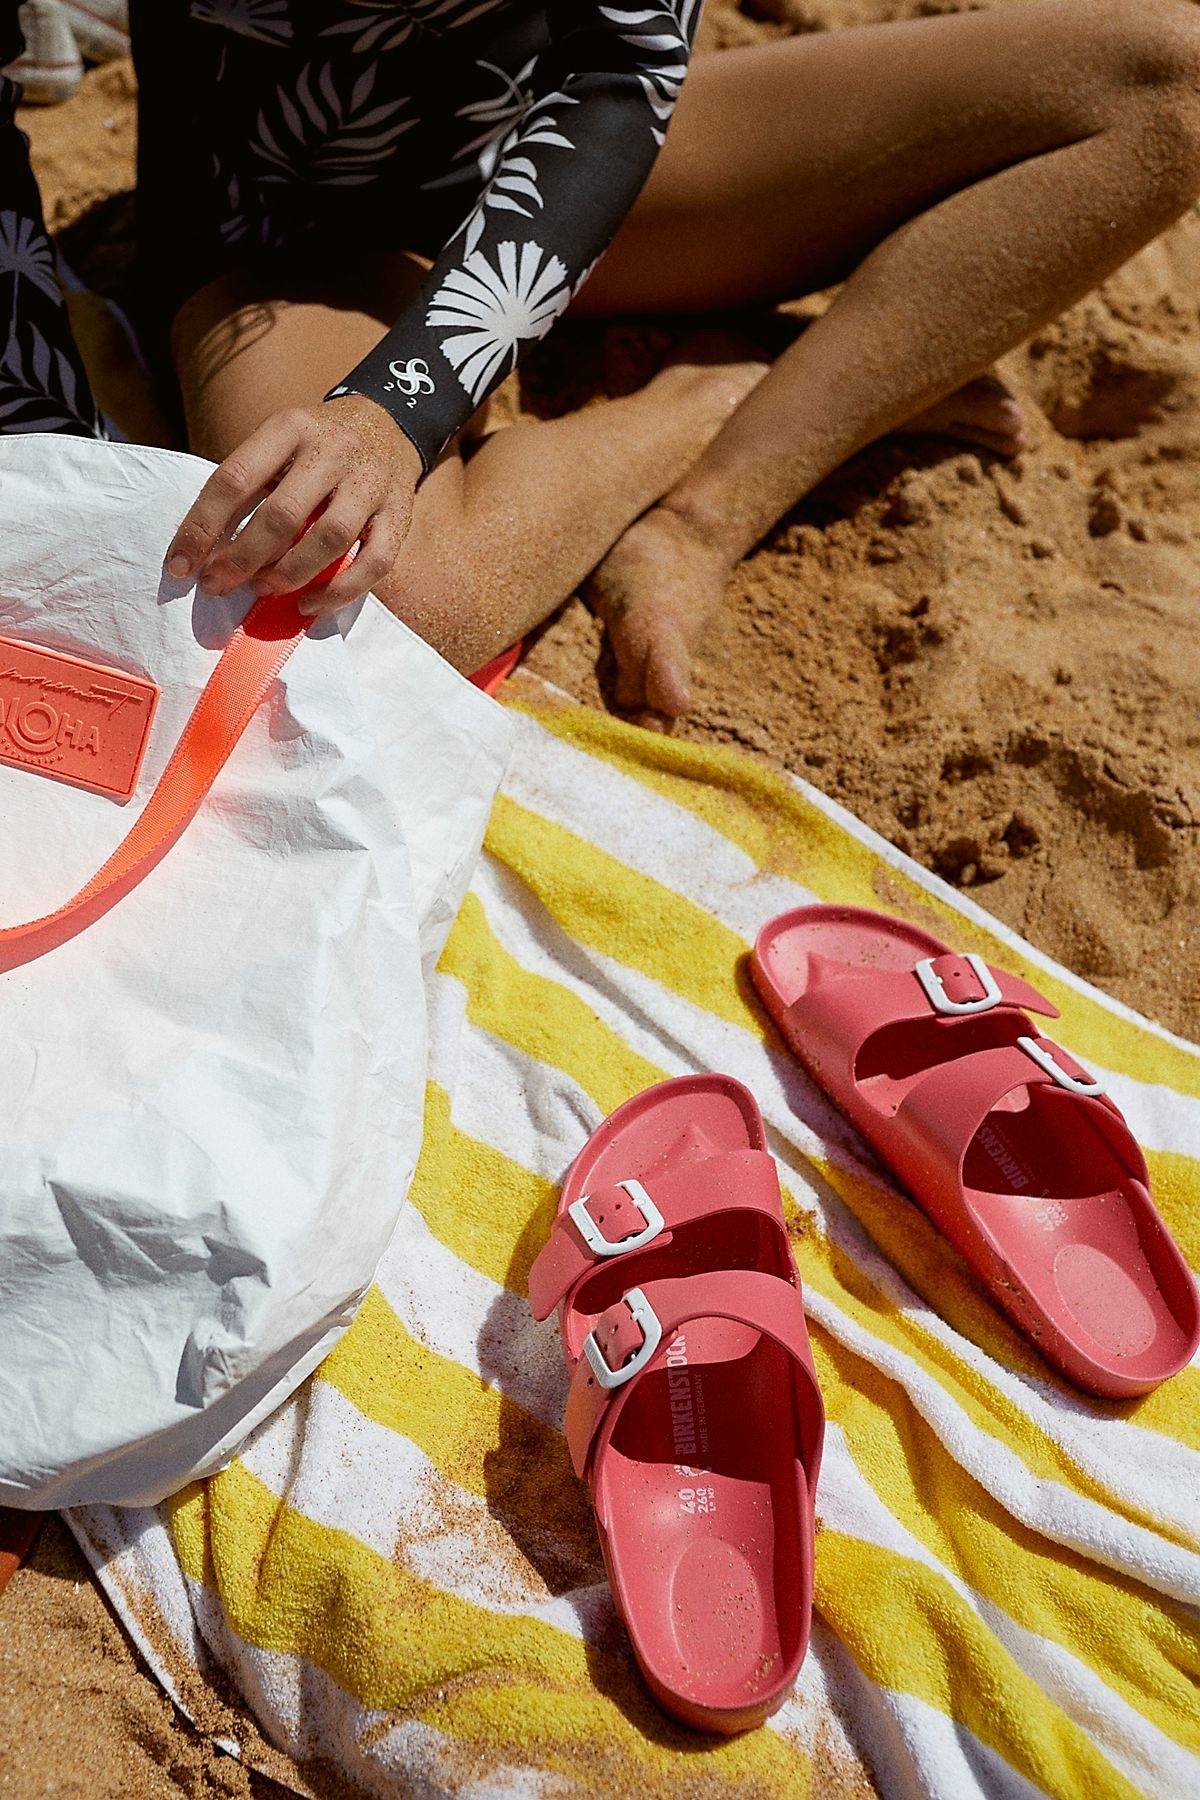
(210, 1101)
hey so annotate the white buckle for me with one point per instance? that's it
(1045, 1060)
(940, 1000)
(595, 1239)
(643, 1315)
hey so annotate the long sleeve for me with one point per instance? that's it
(565, 174)
(42, 382)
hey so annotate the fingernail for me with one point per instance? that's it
(179, 566)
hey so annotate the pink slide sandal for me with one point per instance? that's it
(693, 1409)
(997, 1132)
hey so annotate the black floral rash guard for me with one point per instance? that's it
(42, 383)
(504, 139)
(568, 138)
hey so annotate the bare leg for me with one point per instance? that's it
(496, 542)
(974, 175)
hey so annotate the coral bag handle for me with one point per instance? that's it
(244, 676)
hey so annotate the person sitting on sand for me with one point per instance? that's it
(355, 217)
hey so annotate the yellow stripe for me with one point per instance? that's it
(908, 1630)
(785, 834)
(512, 1691)
(492, 1213)
(539, 1016)
(626, 916)
(473, 1435)
(1175, 1186)
(1142, 1646)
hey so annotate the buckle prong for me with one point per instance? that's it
(643, 1316)
(595, 1239)
(1044, 1060)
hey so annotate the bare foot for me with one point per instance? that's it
(659, 585)
(983, 412)
(656, 592)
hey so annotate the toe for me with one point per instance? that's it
(629, 688)
(667, 672)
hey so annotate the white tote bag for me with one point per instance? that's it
(212, 1069)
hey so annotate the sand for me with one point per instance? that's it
(995, 665)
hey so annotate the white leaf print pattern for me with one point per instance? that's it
(25, 254)
(267, 21)
(373, 27)
(448, 15)
(661, 33)
(497, 111)
(325, 135)
(500, 307)
(513, 187)
(39, 390)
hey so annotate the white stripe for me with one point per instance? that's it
(1046, 1507)
(464, 1316)
(531, 1113)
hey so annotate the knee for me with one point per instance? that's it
(1149, 57)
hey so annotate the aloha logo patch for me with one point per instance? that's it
(75, 721)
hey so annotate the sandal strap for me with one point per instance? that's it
(937, 1121)
(841, 1007)
(628, 1216)
(642, 1330)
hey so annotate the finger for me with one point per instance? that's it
(231, 491)
(275, 527)
(375, 561)
(327, 539)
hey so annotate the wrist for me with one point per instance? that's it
(373, 418)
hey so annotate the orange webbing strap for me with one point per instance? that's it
(241, 681)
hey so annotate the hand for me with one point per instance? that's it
(346, 459)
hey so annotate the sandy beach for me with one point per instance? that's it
(996, 665)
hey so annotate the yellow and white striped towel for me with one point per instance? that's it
(399, 1576)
